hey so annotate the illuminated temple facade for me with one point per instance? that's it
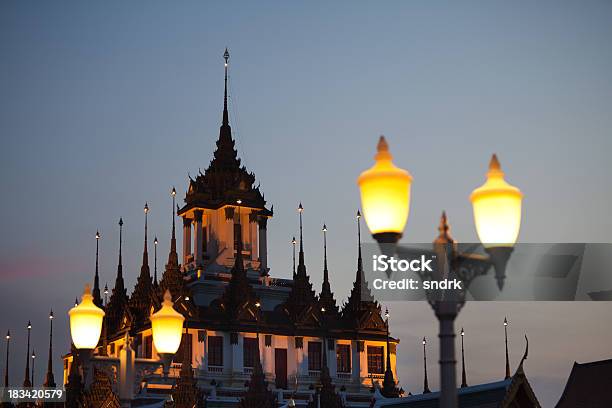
(222, 284)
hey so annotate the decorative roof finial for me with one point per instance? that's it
(463, 376)
(425, 382)
(225, 114)
(155, 242)
(96, 290)
(49, 379)
(120, 238)
(33, 358)
(6, 369)
(494, 163)
(119, 284)
(26, 381)
(326, 297)
(359, 260)
(506, 340)
(173, 238)
(145, 253)
(293, 242)
(325, 272)
(301, 257)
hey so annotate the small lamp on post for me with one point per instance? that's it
(86, 327)
(167, 328)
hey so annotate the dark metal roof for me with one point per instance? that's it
(514, 392)
(588, 385)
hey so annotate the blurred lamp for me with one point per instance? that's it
(497, 209)
(385, 196)
(86, 322)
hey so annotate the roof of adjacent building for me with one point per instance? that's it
(588, 385)
(513, 392)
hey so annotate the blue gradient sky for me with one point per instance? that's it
(107, 105)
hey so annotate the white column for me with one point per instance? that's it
(267, 352)
(300, 358)
(198, 237)
(126, 373)
(186, 239)
(363, 361)
(332, 361)
(237, 366)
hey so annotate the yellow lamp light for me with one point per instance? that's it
(167, 327)
(497, 209)
(385, 196)
(86, 322)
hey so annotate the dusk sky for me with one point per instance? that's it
(107, 105)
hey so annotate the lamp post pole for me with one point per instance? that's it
(446, 312)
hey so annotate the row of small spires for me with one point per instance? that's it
(29, 374)
(50, 381)
(96, 286)
(464, 384)
(326, 291)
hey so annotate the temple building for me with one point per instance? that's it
(238, 316)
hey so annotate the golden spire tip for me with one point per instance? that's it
(382, 146)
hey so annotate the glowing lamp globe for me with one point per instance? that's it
(497, 209)
(385, 196)
(167, 327)
(86, 322)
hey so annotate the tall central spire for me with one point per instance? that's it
(225, 114)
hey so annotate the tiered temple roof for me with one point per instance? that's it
(224, 183)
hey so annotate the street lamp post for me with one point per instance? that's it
(385, 197)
